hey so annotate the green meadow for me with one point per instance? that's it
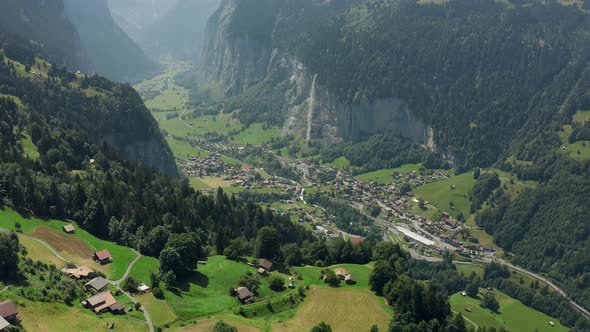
(513, 315)
(440, 195)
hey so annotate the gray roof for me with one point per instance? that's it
(7, 309)
(243, 292)
(98, 283)
(3, 323)
(95, 300)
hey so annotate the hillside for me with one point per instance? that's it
(111, 51)
(45, 25)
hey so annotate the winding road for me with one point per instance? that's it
(115, 283)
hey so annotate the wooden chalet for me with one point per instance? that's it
(244, 295)
(265, 264)
(97, 284)
(104, 302)
(69, 229)
(102, 257)
(8, 313)
(81, 272)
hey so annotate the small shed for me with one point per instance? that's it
(265, 264)
(143, 288)
(69, 229)
(341, 273)
(261, 271)
(349, 279)
(244, 295)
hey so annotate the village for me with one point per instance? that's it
(396, 202)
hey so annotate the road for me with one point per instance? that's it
(115, 283)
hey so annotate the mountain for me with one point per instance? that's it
(43, 24)
(112, 52)
(179, 32)
(166, 28)
(433, 73)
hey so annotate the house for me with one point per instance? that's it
(143, 288)
(102, 257)
(104, 302)
(261, 271)
(69, 229)
(349, 279)
(79, 273)
(341, 273)
(97, 284)
(3, 324)
(244, 295)
(265, 264)
(8, 312)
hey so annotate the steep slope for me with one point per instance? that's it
(134, 16)
(112, 52)
(43, 23)
(106, 112)
(443, 75)
(180, 31)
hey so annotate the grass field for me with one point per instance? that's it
(312, 275)
(160, 312)
(77, 247)
(142, 268)
(29, 148)
(38, 252)
(399, 239)
(439, 193)
(208, 324)
(207, 291)
(384, 175)
(578, 150)
(341, 162)
(59, 317)
(256, 135)
(513, 315)
(343, 309)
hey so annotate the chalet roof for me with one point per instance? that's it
(340, 271)
(81, 272)
(3, 323)
(98, 283)
(118, 306)
(243, 293)
(7, 309)
(349, 277)
(109, 300)
(69, 228)
(265, 263)
(95, 300)
(103, 255)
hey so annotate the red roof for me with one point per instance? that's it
(103, 255)
(7, 309)
(357, 240)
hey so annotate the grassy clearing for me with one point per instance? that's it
(142, 268)
(207, 291)
(59, 317)
(160, 311)
(38, 252)
(513, 315)
(77, 247)
(198, 184)
(15, 99)
(579, 150)
(340, 162)
(384, 175)
(29, 147)
(312, 275)
(398, 239)
(343, 309)
(257, 135)
(440, 195)
(581, 116)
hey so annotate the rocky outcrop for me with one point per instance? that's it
(238, 60)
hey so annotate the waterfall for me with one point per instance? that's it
(311, 107)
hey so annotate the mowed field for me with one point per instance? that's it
(439, 194)
(43, 317)
(76, 247)
(513, 315)
(207, 326)
(344, 309)
(38, 252)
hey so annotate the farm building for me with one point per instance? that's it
(102, 257)
(3, 324)
(104, 302)
(341, 273)
(349, 279)
(80, 272)
(8, 312)
(265, 264)
(244, 295)
(69, 229)
(97, 284)
(261, 271)
(143, 288)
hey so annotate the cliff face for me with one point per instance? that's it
(45, 25)
(239, 59)
(113, 53)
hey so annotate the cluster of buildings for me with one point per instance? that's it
(243, 294)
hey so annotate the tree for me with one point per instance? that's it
(472, 289)
(276, 282)
(331, 278)
(154, 279)
(181, 253)
(374, 328)
(382, 273)
(267, 244)
(9, 249)
(489, 301)
(322, 327)
(222, 326)
(422, 204)
(131, 284)
(158, 293)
